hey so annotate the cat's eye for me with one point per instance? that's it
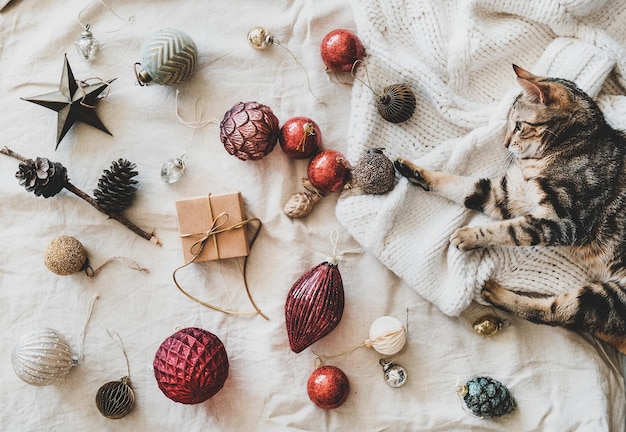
(518, 127)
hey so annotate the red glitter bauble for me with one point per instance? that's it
(340, 49)
(300, 138)
(314, 305)
(249, 130)
(191, 366)
(328, 171)
(328, 387)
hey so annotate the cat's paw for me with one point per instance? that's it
(495, 293)
(467, 238)
(412, 172)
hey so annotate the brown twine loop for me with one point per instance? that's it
(132, 264)
(120, 344)
(216, 228)
(85, 83)
(367, 84)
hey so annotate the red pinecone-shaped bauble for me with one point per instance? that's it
(328, 171)
(340, 49)
(249, 130)
(314, 305)
(328, 387)
(191, 366)
(300, 138)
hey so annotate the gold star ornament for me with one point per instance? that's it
(73, 101)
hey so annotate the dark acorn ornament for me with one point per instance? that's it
(340, 50)
(115, 399)
(486, 397)
(300, 138)
(328, 387)
(314, 305)
(116, 188)
(374, 173)
(395, 375)
(489, 325)
(249, 130)
(191, 366)
(397, 103)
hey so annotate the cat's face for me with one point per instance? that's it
(544, 109)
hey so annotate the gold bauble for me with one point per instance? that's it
(488, 325)
(65, 256)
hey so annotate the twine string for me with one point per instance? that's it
(132, 264)
(301, 66)
(87, 26)
(334, 258)
(85, 83)
(81, 354)
(120, 344)
(367, 84)
(198, 246)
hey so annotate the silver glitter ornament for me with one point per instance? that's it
(115, 399)
(394, 374)
(43, 357)
(173, 170)
(87, 45)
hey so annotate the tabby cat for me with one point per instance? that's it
(565, 186)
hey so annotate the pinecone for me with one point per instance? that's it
(42, 177)
(116, 188)
(487, 397)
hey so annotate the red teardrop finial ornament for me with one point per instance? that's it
(314, 305)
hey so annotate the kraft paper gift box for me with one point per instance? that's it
(196, 216)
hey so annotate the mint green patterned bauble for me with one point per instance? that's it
(168, 58)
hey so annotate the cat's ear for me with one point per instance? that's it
(536, 89)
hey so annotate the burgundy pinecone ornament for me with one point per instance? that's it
(191, 366)
(249, 130)
(314, 305)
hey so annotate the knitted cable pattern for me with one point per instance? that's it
(456, 55)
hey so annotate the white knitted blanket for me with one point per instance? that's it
(456, 55)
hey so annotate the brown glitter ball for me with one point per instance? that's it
(65, 256)
(374, 173)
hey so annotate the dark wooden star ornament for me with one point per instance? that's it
(73, 102)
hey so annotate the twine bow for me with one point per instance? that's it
(217, 227)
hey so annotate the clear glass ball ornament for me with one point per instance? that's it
(87, 45)
(394, 374)
(172, 170)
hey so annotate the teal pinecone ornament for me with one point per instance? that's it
(116, 188)
(168, 58)
(486, 397)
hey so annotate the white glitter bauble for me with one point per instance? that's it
(387, 335)
(42, 357)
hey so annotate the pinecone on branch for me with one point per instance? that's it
(116, 188)
(42, 177)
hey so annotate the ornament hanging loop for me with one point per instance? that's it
(260, 38)
(367, 84)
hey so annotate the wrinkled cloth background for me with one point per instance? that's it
(561, 380)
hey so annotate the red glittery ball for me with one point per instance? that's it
(328, 171)
(340, 49)
(328, 387)
(314, 305)
(300, 138)
(249, 130)
(191, 366)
